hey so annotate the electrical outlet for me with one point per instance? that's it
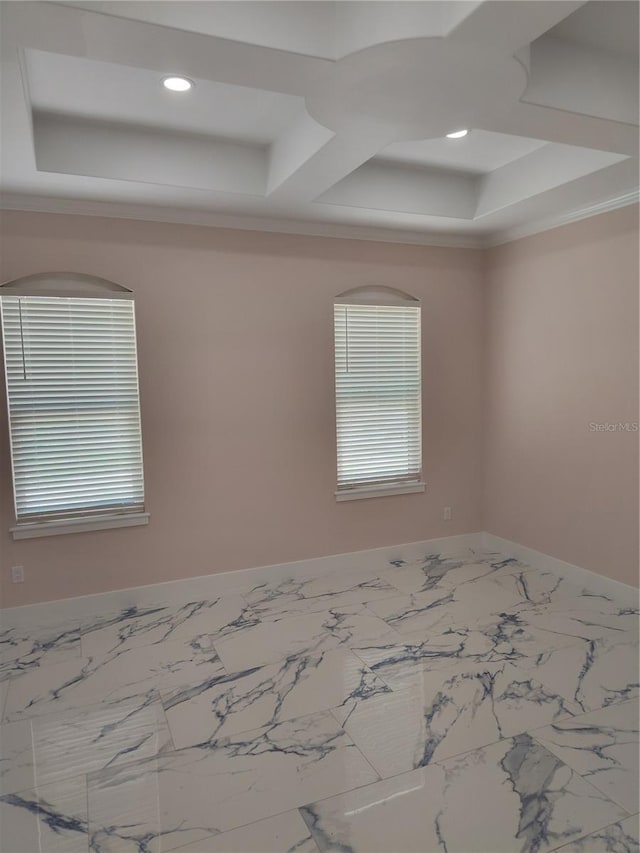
(17, 574)
(447, 513)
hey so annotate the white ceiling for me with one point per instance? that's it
(323, 117)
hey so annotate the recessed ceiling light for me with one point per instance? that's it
(177, 84)
(457, 134)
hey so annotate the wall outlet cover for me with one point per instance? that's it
(17, 574)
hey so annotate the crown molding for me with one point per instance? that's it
(307, 228)
(180, 216)
(508, 235)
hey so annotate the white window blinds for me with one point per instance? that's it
(378, 394)
(74, 413)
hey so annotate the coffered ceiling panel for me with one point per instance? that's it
(76, 86)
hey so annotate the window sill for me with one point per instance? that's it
(361, 492)
(31, 530)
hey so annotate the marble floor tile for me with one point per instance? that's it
(285, 833)
(511, 796)
(336, 589)
(592, 674)
(602, 747)
(586, 618)
(435, 714)
(50, 819)
(193, 793)
(541, 587)
(269, 694)
(198, 623)
(114, 678)
(506, 638)
(41, 750)
(618, 838)
(26, 649)
(435, 571)
(273, 641)
(466, 605)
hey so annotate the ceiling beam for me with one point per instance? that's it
(309, 159)
(305, 28)
(583, 79)
(104, 38)
(505, 28)
(554, 125)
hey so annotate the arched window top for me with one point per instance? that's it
(72, 284)
(376, 294)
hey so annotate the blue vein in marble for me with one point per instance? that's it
(143, 843)
(296, 590)
(614, 838)
(446, 598)
(364, 690)
(509, 561)
(507, 627)
(433, 741)
(435, 567)
(55, 820)
(32, 659)
(487, 680)
(591, 656)
(106, 730)
(317, 747)
(170, 620)
(612, 737)
(336, 618)
(131, 612)
(326, 842)
(531, 769)
(291, 672)
(589, 619)
(415, 652)
(522, 586)
(90, 668)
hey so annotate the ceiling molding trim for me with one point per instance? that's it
(548, 223)
(80, 207)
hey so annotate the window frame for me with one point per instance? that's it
(80, 286)
(378, 295)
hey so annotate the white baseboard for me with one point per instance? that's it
(599, 584)
(205, 587)
(185, 590)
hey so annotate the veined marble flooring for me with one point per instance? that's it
(461, 703)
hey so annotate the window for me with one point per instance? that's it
(378, 393)
(74, 413)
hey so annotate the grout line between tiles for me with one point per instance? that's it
(588, 834)
(424, 767)
(86, 785)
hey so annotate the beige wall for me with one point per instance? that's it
(524, 346)
(562, 353)
(236, 372)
